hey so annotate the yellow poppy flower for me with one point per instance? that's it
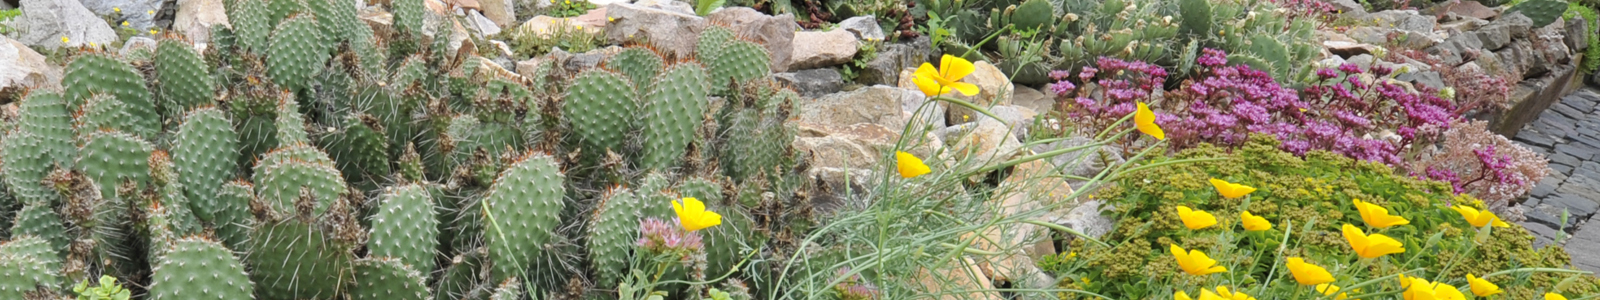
(1253, 222)
(909, 165)
(1377, 216)
(693, 214)
(1145, 121)
(1204, 295)
(1479, 218)
(1371, 246)
(1231, 190)
(1328, 289)
(1195, 262)
(1307, 273)
(153, 31)
(1195, 219)
(1223, 293)
(1421, 289)
(1554, 296)
(935, 82)
(1481, 287)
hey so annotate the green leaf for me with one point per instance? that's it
(704, 7)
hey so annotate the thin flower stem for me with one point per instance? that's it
(1067, 230)
(1532, 270)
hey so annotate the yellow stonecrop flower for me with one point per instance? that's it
(935, 82)
(1307, 273)
(1479, 218)
(1328, 289)
(1481, 287)
(1371, 246)
(692, 214)
(150, 12)
(1195, 262)
(1554, 296)
(1231, 190)
(1376, 216)
(124, 23)
(1253, 222)
(63, 39)
(1145, 121)
(116, 9)
(909, 165)
(1195, 219)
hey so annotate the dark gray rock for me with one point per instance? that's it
(1577, 35)
(1426, 78)
(1347, 7)
(1537, 139)
(865, 27)
(1551, 220)
(1453, 48)
(1408, 20)
(1564, 159)
(1576, 205)
(1543, 236)
(1521, 25)
(1579, 150)
(812, 83)
(1494, 36)
(1569, 111)
(1585, 248)
(892, 58)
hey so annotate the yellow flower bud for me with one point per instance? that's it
(116, 9)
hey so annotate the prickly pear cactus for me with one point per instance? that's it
(611, 233)
(739, 61)
(39, 220)
(110, 157)
(290, 124)
(234, 223)
(199, 268)
(185, 81)
(47, 117)
(408, 16)
(104, 111)
(510, 289)
(640, 65)
(293, 259)
(461, 276)
(279, 10)
(600, 106)
(405, 227)
(1542, 12)
(296, 52)
(280, 184)
(1033, 15)
(674, 109)
(252, 22)
(204, 156)
(94, 74)
(524, 208)
(361, 150)
(384, 278)
(22, 273)
(26, 162)
(35, 248)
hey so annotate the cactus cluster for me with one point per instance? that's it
(296, 160)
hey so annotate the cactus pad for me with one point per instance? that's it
(295, 260)
(48, 118)
(199, 268)
(384, 278)
(296, 52)
(524, 207)
(600, 106)
(204, 155)
(94, 74)
(405, 227)
(110, 157)
(25, 164)
(640, 65)
(185, 81)
(674, 109)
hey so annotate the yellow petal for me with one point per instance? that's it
(1554, 296)
(965, 88)
(954, 68)
(1377, 216)
(1481, 287)
(707, 219)
(1145, 121)
(909, 165)
(1254, 223)
(1195, 219)
(1308, 274)
(928, 86)
(1379, 245)
(1208, 295)
(1180, 295)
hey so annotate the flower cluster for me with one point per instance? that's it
(659, 236)
(1482, 163)
(854, 287)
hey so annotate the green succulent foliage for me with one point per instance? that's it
(107, 290)
(27, 162)
(204, 154)
(255, 116)
(294, 259)
(181, 219)
(280, 183)
(39, 220)
(110, 157)
(392, 111)
(756, 130)
(34, 248)
(360, 150)
(384, 278)
(640, 65)
(290, 124)
(47, 117)
(612, 234)
(89, 75)
(1197, 18)
(252, 22)
(405, 227)
(185, 79)
(1542, 12)
(296, 52)
(729, 60)
(657, 193)
(674, 107)
(599, 106)
(21, 274)
(408, 16)
(461, 277)
(234, 223)
(104, 111)
(524, 207)
(199, 268)
(336, 18)
(280, 10)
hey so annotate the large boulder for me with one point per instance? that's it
(1577, 35)
(140, 14)
(885, 68)
(195, 18)
(673, 33)
(502, 12)
(865, 27)
(816, 49)
(775, 33)
(812, 83)
(1408, 20)
(54, 23)
(21, 67)
(882, 105)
